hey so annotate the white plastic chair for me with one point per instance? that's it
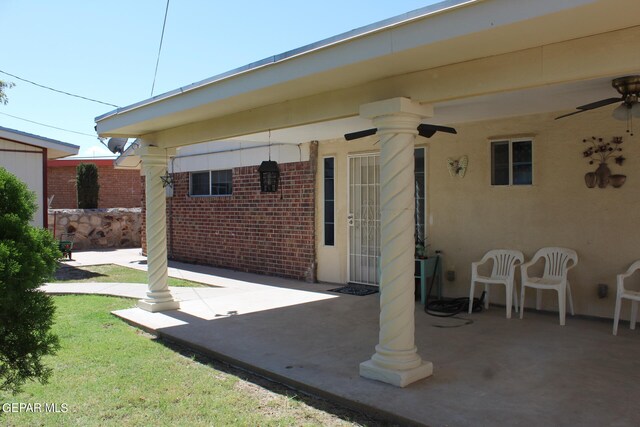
(557, 263)
(634, 296)
(503, 272)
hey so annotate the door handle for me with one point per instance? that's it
(350, 220)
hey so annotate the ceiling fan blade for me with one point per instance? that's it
(427, 130)
(571, 114)
(360, 134)
(592, 106)
(598, 104)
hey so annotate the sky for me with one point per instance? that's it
(107, 50)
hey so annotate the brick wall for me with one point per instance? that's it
(119, 188)
(271, 234)
(61, 183)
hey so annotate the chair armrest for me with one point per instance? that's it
(484, 260)
(528, 264)
(476, 264)
(632, 269)
(524, 275)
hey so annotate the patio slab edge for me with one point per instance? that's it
(366, 410)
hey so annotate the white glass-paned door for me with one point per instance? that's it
(364, 219)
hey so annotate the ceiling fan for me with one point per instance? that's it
(629, 88)
(424, 129)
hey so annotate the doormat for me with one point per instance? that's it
(355, 290)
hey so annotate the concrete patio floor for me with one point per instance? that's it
(494, 371)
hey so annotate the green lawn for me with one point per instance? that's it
(109, 373)
(112, 273)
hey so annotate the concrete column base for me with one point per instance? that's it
(396, 377)
(154, 306)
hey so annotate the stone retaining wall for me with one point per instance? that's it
(98, 228)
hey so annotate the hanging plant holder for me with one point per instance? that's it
(269, 176)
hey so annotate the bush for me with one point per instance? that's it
(87, 185)
(28, 257)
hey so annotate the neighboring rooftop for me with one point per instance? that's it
(55, 148)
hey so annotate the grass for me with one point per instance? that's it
(112, 273)
(109, 373)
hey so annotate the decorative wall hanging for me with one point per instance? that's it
(600, 151)
(458, 167)
(167, 178)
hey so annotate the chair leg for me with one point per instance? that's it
(634, 314)
(616, 315)
(471, 292)
(515, 298)
(522, 288)
(562, 305)
(486, 296)
(508, 300)
(570, 298)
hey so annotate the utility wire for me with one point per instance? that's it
(164, 24)
(50, 126)
(59, 91)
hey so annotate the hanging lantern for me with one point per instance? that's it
(269, 176)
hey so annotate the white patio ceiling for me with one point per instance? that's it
(546, 99)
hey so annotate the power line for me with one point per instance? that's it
(50, 126)
(59, 91)
(164, 24)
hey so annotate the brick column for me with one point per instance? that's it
(154, 164)
(396, 360)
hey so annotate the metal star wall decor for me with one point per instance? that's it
(167, 180)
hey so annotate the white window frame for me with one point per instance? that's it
(510, 142)
(209, 186)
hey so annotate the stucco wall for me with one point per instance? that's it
(467, 217)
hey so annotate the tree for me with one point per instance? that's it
(3, 95)
(28, 257)
(87, 185)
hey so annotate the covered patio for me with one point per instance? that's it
(498, 70)
(493, 371)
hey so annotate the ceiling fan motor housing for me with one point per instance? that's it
(628, 87)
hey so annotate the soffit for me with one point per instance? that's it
(481, 29)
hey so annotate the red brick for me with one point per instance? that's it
(248, 231)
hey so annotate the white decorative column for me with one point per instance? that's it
(154, 165)
(396, 360)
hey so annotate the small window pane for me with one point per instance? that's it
(328, 189)
(199, 183)
(328, 212)
(329, 235)
(328, 167)
(522, 163)
(500, 163)
(221, 182)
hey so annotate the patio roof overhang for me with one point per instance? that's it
(471, 60)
